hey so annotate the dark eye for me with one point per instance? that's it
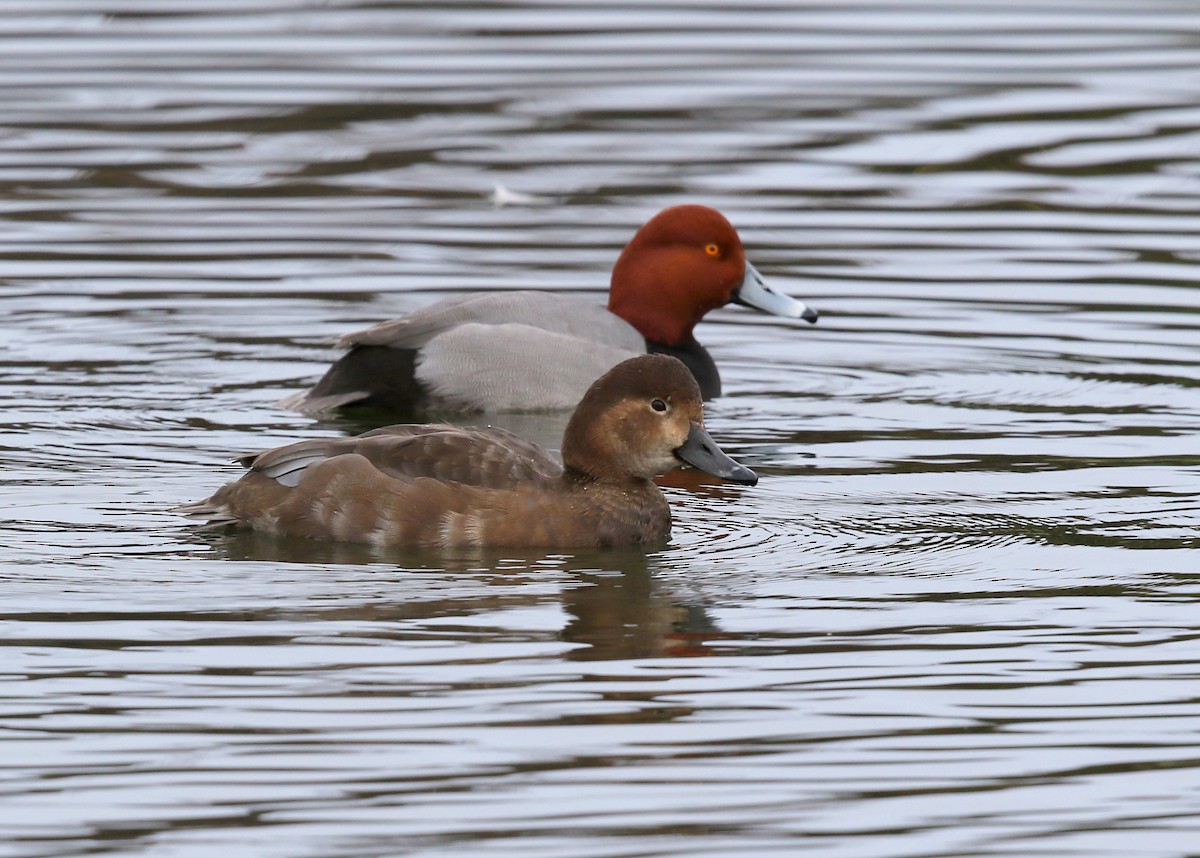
(658, 405)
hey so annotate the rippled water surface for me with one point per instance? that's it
(959, 614)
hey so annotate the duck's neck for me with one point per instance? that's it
(631, 511)
(574, 477)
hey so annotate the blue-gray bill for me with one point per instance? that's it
(701, 451)
(755, 293)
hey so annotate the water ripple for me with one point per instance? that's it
(954, 617)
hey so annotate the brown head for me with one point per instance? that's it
(642, 418)
(685, 261)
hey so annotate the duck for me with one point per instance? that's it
(539, 351)
(442, 486)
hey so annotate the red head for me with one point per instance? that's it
(685, 261)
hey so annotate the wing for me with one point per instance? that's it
(569, 315)
(513, 367)
(485, 457)
(499, 351)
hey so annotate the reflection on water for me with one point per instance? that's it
(627, 615)
(615, 605)
(955, 617)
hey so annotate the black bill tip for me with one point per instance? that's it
(701, 451)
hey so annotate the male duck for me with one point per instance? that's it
(439, 486)
(539, 351)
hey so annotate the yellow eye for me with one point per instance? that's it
(712, 250)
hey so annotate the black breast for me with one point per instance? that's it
(696, 358)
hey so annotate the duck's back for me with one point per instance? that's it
(504, 351)
(569, 315)
(487, 457)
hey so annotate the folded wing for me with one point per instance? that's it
(485, 457)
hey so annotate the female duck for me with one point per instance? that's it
(539, 351)
(439, 486)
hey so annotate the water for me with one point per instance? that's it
(957, 616)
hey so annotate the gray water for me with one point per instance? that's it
(958, 616)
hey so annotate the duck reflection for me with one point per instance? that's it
(615, 604)
(628, 614)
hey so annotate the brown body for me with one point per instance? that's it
(437, 486)
(347, 499)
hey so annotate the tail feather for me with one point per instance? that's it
(306, 403)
